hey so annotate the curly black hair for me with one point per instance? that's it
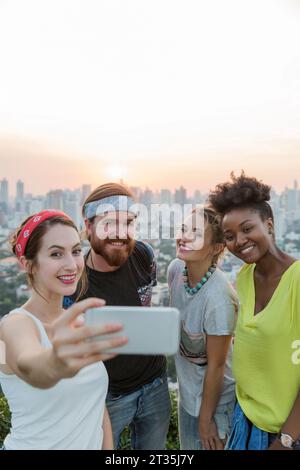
(242, 192)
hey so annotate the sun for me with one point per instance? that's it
(116, 172)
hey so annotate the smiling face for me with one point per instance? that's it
(112, 236)
(59, 262)
(247, 236)
(194, 240)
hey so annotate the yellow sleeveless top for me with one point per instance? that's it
(266, 356)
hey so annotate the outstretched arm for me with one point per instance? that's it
(43, 368)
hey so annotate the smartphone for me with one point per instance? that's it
(150, 330)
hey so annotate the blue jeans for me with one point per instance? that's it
(246, 436)
(147, 413)
(189, 426)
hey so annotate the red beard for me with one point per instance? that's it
(114, 257)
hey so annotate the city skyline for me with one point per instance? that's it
(168, 206)
(21, 191)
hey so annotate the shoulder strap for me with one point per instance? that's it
(43, 335)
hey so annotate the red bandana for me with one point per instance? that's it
(31, 225)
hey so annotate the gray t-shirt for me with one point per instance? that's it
(211, 311)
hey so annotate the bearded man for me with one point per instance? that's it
(122, 271)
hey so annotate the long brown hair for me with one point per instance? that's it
(213, 220)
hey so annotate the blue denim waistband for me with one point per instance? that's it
(245, 435)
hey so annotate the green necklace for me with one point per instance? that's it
(194, 290)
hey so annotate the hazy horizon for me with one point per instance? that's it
(43, 167)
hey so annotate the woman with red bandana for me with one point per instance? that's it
(54, 380)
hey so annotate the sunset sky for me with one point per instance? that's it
(162, 93)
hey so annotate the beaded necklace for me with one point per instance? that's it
(194, 290)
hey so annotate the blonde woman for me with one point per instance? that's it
(207, 305)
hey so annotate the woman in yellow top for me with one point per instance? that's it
(266, 358)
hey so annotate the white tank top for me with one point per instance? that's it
(66, 416)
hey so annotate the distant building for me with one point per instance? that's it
(198, 197)
(20, 190)
(147, 197)
(19, 201)
(55, 199)
(2, 217)
(36, 205)
(72, 206)
(86, 189)
(165, 196)
(180, 196)
(4, 192)
(290, 201)
(280, 224)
